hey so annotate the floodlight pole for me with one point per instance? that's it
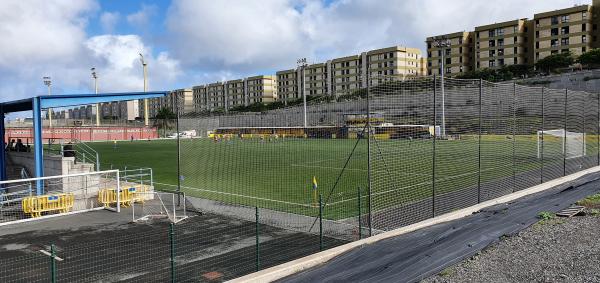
(302, 64)
(145, 69)
(443, 43)
(95, 77)
(48, 83)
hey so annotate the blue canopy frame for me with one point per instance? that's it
(36, 104)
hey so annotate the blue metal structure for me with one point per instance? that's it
(36, 104)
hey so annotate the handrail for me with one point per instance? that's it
(87, 151)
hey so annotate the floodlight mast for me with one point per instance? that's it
(145, 69)
(48, 83)
(443, 43)
(98, 105)
(302, 64)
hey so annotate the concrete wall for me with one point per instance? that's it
(584, 80)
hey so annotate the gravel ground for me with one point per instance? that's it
(557, 250)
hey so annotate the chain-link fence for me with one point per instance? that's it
(278, 185)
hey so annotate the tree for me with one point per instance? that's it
(590, 59)
(164, 119)
(556, 61)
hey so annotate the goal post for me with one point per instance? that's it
(572, 144)
(159, 205)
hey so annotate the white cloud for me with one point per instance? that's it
(142, 17)
(248, 36)
(48, 38)
(108, 21)
(120, 67)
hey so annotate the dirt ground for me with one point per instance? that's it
(553, 250)
(104, 246)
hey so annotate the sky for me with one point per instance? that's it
(193, 42)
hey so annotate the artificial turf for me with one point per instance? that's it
(277, 173)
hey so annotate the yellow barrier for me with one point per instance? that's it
(35, 205)
(127, 196)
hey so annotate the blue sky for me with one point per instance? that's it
(192, 42)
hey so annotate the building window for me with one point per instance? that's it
(564, 41)
(500, 52)
(491, 33)
(515, 50)
(564, 30)
(515, 40)
(500, 62)
(584, 38)
(500, 31)
(537, 44)
(554, 43)
(492, 53)
(492, 43)
(583, 27)
(448, 61)
(564, 19)
(537, 23)
(448, 70)
(515, 61)
(448, 51)
(501, 42)
(583, 49)
(537, 33)
(554, 20)
(492, 63)
(554, 32)
(584, 15)
(515, 29)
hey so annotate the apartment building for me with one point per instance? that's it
(199, 98)
(564, 30)
(502, 44)
(235, 94)
(518, 42)
(215, 96)
(316, 77)
(396, 61)
(457, 54)
(347, 74)
(287, 85)
(261, 89)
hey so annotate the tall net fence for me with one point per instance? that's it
(262, 189)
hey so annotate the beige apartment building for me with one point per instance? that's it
(316, 77)
(518, 42)
(199, 98)
(502, 44)
(458, 55)
(235, 94)
(347, 74)
(396, 61)
(563, 30)
(261, 89)
(287, 85)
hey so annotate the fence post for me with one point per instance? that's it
(53, 263)
(433, 150)
(320, 222)
(542, 141)
(479, 143)
(359, 216)
(366, 76)
(598, 130)
(257, 240)
(172, 250)
(514, 137)
(97, 162)
(565, 136)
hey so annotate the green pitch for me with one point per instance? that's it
(277, 173)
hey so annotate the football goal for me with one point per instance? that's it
(159, 205)
(570, 144)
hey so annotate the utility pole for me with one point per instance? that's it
(98, 105)
(144, 66)
(48, 83)
(443, 43)
(302, 64)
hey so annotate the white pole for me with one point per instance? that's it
(443, 95)
(118, 192)
(304, 94)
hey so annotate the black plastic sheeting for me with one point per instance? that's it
(425, 252)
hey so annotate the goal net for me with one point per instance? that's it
(159, 205)
(571, 144)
